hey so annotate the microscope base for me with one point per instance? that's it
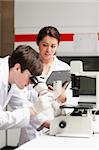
(71, 126)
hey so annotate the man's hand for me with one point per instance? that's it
(44, 102)
(46, 124)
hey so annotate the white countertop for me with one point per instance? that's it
(61, 143)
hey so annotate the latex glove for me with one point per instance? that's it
(44, 102)
(41, 88)
(49, 113)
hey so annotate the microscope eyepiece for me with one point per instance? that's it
(34, 81)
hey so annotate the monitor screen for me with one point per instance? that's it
(87, 86)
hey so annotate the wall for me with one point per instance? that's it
(77, 21)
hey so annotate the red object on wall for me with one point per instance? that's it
(25, 37)
(32, 37)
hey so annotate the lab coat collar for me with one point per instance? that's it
(53, 66)
(55, 60)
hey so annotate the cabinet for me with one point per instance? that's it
(2, 138)
(13, 137)
(12, 134)
(9, 137)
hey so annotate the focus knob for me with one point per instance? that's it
(62, 124)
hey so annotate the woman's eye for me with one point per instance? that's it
(45, 45)
(53, 46)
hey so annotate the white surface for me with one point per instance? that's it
(67, 14)
(48, 142)
(85, 42)
(84, 98)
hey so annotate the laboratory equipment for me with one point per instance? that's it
(79, 123)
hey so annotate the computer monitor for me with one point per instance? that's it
(87, 86)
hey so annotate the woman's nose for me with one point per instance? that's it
(49, 48)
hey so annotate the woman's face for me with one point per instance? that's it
(47, 47)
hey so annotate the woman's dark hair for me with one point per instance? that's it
(48, 31)
(28, 58)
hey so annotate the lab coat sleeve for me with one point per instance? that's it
(38, 120)
(20, 117)
(19, 100)
(14, 119)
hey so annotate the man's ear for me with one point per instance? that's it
(17, 67)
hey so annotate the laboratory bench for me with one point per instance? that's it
(60, 143)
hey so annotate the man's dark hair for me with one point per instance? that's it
(28, 58)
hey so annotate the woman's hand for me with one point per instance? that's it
(62, 97)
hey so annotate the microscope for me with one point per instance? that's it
(45, 98)
(80, 122)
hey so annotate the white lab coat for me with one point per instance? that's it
(30, 132)
(15, 98)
